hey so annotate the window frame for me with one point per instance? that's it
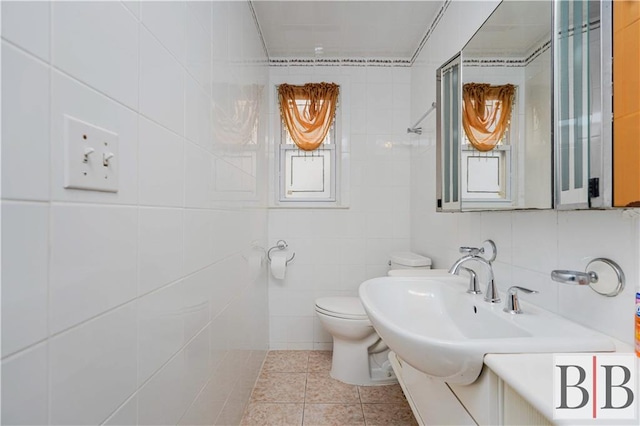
(506, 152)
(335, 150)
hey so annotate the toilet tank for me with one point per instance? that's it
(408, 260)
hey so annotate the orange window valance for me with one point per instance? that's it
(308, 112)
(486, 113)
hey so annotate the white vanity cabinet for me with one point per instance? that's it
(487, 401)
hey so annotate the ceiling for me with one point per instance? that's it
(514, 29)
(344, 29)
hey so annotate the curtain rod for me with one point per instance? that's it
(418, 130)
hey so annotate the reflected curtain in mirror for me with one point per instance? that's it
(486, 113)
(309, 121)
(237, 123)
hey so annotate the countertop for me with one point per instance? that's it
(531, 375)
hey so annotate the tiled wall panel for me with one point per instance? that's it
(127, 307)
(337, 249)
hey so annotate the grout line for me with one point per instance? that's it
(49, 382)
(306, 380)
(97, 91)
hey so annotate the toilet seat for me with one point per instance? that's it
(348, 308)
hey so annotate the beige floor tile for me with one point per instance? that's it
(322, 389)
(280, 387)
(263, 414)
(381, 394)
(388, 415)
(290, 378)
(286, 362)
(320, 361)
(333, 415)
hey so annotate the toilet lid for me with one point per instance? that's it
(343, 307)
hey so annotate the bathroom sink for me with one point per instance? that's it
(434, 325)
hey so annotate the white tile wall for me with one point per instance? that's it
(28, 24)
(167, 21)
(101, 356)
(197, 365)
(85, 46)
(93, 261)
(127, 414)
(161, 328)
(162, 102)
(25, 129)
(25, 398)
(197, 162)
(123, 307)
(161, 399)
(198, 59)
(197, 114)
(25, 274)
(160, 242)
(161, 180)
(337, 249)
(530, 243)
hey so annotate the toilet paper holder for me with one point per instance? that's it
(280, 245)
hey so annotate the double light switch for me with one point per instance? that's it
(91, 157)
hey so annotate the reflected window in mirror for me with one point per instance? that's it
(486, 146)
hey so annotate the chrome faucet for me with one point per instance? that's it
(491, 294)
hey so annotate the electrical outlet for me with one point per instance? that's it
(91, 157)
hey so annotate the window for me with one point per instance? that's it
(309, 176)
(485, 175)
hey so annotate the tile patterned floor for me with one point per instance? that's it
(294, 388)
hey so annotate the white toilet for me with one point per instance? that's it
(359, 354)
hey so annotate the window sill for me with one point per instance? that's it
(309, 205)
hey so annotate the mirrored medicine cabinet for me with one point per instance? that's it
(523, 117)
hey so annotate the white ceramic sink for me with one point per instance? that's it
(439, 329)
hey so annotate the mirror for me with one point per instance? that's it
(583, 104)
(495, 115)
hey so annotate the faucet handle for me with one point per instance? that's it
(512, 304)
(473, 251)
(474, 288)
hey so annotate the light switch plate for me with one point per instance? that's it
(91, 157)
